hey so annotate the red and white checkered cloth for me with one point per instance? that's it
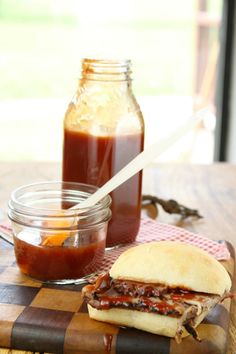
(151, 230)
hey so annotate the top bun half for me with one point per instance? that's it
(174, 264)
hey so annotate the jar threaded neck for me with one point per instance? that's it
(106, 70)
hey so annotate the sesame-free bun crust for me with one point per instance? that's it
(149, 322)
(174, 264)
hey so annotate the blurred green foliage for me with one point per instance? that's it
(42, 42)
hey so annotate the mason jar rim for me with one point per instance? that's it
(19, 207)
(112, 70)
(107, 62)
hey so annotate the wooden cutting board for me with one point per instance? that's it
(54, 319)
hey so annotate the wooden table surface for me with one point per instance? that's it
(209, 188)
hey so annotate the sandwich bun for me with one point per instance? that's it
(149, 322)
(174, 264)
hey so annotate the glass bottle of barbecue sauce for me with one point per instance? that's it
(103, 131)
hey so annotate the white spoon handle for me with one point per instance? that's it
(140, 161)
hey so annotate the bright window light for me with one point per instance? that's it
(42, 43)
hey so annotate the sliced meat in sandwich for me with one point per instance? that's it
(165, 288)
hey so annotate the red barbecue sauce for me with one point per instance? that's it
(162, 307)
(58, 262)
(94, 160)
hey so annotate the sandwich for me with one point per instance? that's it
(165, 288)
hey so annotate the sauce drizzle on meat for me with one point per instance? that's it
(184, 304)
(106, 293)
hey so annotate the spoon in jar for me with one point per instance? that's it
(141, 160)
(137, 164)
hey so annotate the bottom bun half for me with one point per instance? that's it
(149, 322)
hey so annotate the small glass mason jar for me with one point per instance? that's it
(103, 132)
(52, 242)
